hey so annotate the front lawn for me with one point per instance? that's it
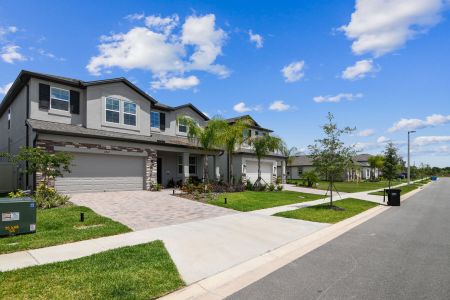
(321, 213)
(137, 272)
(250, 200)
(353, 187)
(62, 225)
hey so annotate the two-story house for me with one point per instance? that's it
(121, 137)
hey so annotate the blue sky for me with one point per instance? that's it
(380, 65)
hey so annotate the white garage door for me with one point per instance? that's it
(102, 172)
(266, 171)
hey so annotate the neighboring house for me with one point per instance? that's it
(360, 171)
(121, 138)
(245, 163)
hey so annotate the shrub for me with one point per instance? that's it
(279, 188)
(310, 178)
(156, 187)
(271, 187)
(278, 181)
(249, 185)
(171, 183)
(46, 197)
(17, 194)
(260, 188)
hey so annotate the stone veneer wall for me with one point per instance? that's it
(150, 162)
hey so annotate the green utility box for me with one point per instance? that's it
(18, 215)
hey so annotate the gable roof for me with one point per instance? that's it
(174, 108)
(302, 160)
(255, 124)
(25, 75)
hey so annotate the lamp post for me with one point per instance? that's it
(409, 157)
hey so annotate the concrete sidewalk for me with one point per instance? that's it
(199, 249)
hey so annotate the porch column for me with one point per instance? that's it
(151, 166)
(283, 171)
(185, 167)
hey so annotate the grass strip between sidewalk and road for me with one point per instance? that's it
(137, 272)
(251, 200)
(405, 188)
(350, 186)
(62, 225)
(323, 214)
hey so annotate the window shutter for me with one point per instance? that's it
(75, 102)
(44, 96)
(162, 121)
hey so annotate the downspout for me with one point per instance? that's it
(27, 134)
(34, 173)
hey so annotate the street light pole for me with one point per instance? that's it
(409, 157)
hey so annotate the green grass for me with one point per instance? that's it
(249, 200)
(59, 226)
(138, 272)
(353, 187)
(321, 213)
(406, 188)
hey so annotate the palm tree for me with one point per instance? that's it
(263, 145)
(289, 154)
(375, 162)
(208, 137)
(232, 138)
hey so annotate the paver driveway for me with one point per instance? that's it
(142, 210)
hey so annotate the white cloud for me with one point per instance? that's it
(10, 53)
(161, 50)
(294, 71)
(165, 25)
(241, 107)
(135, 16)
(279, 106)
(411, 124)
(382, 26)
(6, 30)
(175, 83)
(366, 132)
(359, 70)
(256, 38)
(337, 98)
(427, 140)
(4, 89)
(382, 139)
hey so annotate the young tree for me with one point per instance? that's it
(331, 158)
(208, 137)
(263, 145)
(50, 165)
(375, 162)
(232, 138)
(391, 162)
(289, 154)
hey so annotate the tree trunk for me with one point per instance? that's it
(259, 170)
(231, 180)
(331, 191)
(205, 169)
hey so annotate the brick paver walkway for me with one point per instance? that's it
(142, 210)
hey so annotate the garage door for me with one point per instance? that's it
(266, 171)
(103, 172)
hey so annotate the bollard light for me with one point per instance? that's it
(225, 200)
(81, 217)
(173, 192)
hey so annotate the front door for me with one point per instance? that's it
(159, 170)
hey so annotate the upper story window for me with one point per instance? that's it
(182, 127)
(59, 99)
(155, 120)
(120, 111)
(9, 118)
(112, 110)
(129, 113)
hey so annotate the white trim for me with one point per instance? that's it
(59, 99)
(99, 151)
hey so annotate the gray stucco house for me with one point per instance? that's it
(360, 171)
(121, 137)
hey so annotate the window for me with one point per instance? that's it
(192, 165)
(155, 119)
(180, 164)
(129, 113)
(182, 127)
(59, 99)
(300, 171)
(9, 118)
(112, 110)
(256, 132)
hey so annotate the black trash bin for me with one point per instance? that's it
(393, 196)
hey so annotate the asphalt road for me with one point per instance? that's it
(403, 253)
